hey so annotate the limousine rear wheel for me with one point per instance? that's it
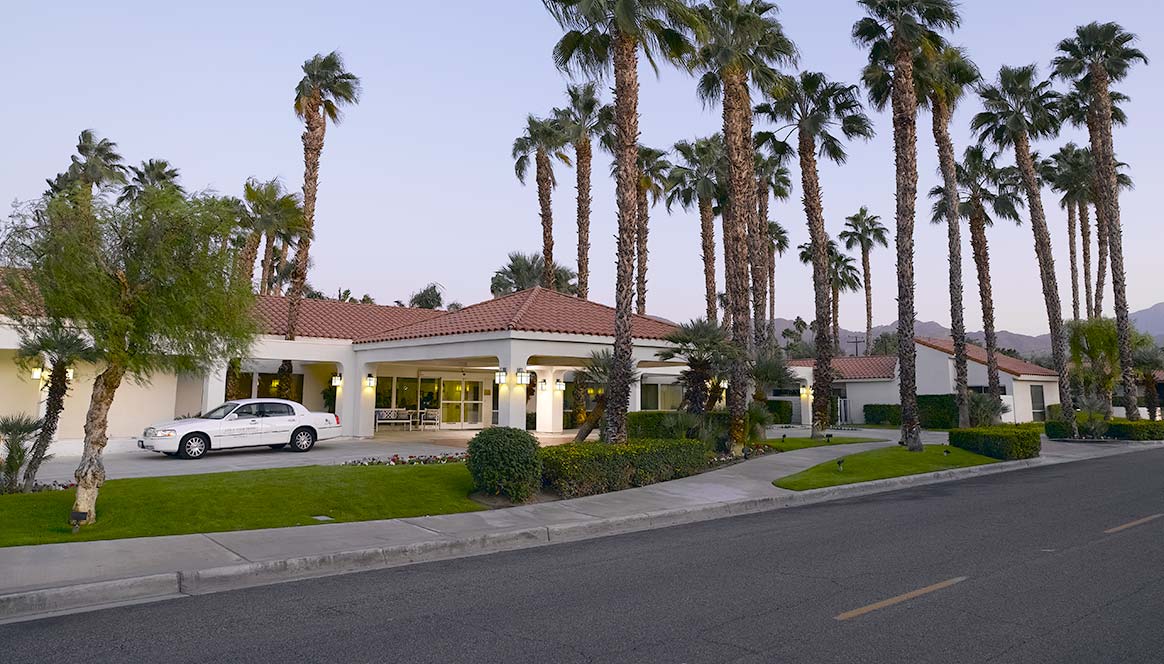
(193, 446)
(302, 440)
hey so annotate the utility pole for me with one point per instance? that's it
(856, 341)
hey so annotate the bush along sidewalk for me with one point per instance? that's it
(1115, 429)
(585, 469)
(504, 462)
(1005, 443)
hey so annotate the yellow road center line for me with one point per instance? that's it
(1133, 524)
(856, 613)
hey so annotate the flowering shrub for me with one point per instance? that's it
(410, 460)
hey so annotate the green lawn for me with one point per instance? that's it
(789, 444)
(241, 501)
(879, 464)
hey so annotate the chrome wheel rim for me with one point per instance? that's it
(303, 440)
(195, 447)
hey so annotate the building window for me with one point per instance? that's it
(660, 397)
(269, 386)
(1038, 405)
(984, 389)
(649, 397)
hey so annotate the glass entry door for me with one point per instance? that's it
(461, 404)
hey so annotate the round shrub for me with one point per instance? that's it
(504, 461)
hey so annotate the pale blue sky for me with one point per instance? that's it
(417, 184)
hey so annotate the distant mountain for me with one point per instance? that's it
(1150, 320)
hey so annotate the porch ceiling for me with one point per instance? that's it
(483, 363)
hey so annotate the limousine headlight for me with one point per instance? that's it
(165, 433)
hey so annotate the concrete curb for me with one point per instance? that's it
(34, 604)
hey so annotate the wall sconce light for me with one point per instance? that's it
(69, 374)
(501, 376)
(543, 385)
(38, 373)
(370, 381)
(805, 391)
(523, 377)
(560, 385)
(337, 380)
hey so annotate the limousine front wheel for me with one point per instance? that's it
(193, 446)
(302, 440)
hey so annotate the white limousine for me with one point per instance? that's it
(275, 423)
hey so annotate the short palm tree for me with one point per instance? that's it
(1020, 107)
(773, 180)
(606, 35)
(15, 433)
(894, 32)
(429, 297)
(276, 215)
(595, 374)
(864, 231)
(1149, 360)
(1103, 53)
(707, 351)
(152, 174)
(325, 88)
(543, 141)
(777, 244)
(822, 114)
(654, 169)
(58, 348)
(583, 118)
(524, 271)
(695, 181)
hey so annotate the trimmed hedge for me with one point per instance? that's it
(882, 413)
(1057, 429)
(585, 469)
(934, 411)
(505, 461)
(645, 424)
(781, 410)
(1138, 430)
(1006, 443)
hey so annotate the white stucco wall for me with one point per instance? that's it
(135, 405)
(860, 393)
(1022, 396)
(19, 393)
(935, 372)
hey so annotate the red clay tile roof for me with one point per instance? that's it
(330, 319)
(533, 310)
(977, 354)
(874, 367)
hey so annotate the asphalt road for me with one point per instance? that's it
(1019, 566)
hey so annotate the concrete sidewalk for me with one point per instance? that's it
(37, 580)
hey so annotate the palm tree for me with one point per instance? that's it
(653, 171)
(274, 214)
(326, 86)
(604, 35)
(15, 432)
(895, 31)
(59, 348)
(596, 374)
(695, 180)
(773, 179)
(96, 164)
(429, 297)
(865, 231)
(1019, 107)
(583, 118)
(524, 271)
(1069, 174)
(1148, 359)
(815, 108)
(745, 45)
(707, 351)
(1103, 53)
(152, 174)
(777, 245)
(984, 190)
(843, 278)
(543, 140)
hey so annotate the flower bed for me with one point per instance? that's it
(410, 460)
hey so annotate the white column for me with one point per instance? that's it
(214, 387)
(510, 395)
(636, 396)
(549, 400)
(357, 402)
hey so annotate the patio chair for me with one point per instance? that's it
(430, 416)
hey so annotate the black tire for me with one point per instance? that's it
(278, 447)
(194, 446)
(302, 439)
(170, 453)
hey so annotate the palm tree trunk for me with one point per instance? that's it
(1151, 398)
(90, 474)
(741, 155)
(822, 372)
(1047, 273)
(58, 387)
(592, 420)
(1073, 253)
(985, 293)
(836, 319)
(757, 248)
(265, 287)
(1085, 241)
(707, 236)
(583, 152)
(313, 136)
(866, 276)
(772, 294)
(946, 160)
(641, 248)
(545, 185)
(245, 265)
(1109, 199)
(626, 120)
(1101, 241)
(905, 150)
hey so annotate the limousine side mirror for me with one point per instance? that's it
(232, 416)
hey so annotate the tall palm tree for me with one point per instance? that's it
(1102, 53)
(1069, 175)
(653, 171)
(815, 108)
(773, 180)
(1019, 107)
(583, 118)
(894, 32)
(745, 44)
(276, 216)
(605, 35)
(544, 141)
(152, 174)
(984, 190)
(524, 271)
(696, 180)
(777, 244)
(325, 88)
(843, 278)
(59, 348)
(96, 164)
(865, 231)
